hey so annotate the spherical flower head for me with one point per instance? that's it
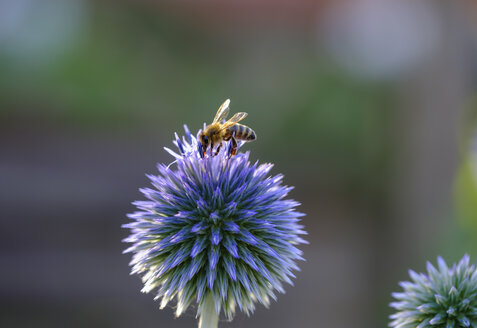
(442, 298)
(214, 225)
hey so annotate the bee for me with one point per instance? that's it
(220, 131)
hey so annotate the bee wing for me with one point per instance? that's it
(234, 119)
(223, 112)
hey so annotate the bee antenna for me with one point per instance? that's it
(199, 149)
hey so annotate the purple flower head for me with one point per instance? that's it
(214, 225)
(443, 297)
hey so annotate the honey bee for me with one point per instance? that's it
(217, 132)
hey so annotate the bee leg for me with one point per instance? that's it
(234, 147)
(218, 149)
(211, 147)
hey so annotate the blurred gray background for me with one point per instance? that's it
(367, 107)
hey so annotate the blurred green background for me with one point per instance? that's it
(368, 108)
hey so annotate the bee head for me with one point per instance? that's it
(204, 140)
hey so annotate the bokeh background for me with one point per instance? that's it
(368, 107)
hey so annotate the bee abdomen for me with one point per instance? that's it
(242, 132)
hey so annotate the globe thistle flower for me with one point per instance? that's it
(216, 230)
(442, 298)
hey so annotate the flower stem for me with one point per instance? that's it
(208, 316)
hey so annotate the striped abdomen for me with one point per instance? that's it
(242, 132)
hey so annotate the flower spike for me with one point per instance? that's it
(444, 297)
(215, 230)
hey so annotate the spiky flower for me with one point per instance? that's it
(214, 228)
(442, 298)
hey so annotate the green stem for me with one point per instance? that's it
(208, 316)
